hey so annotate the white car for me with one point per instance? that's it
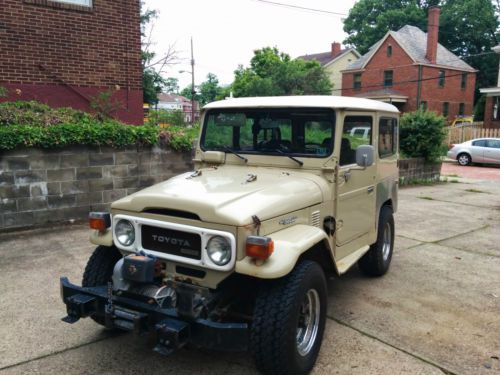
(483, 150)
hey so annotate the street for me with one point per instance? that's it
(435, 312)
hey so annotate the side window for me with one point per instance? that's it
(318, 137)
(387, 137)
(479, 143)
(493, 143)
(357, 131)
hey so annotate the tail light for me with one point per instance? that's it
(259, 247)
(99, 221)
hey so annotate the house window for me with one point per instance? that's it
(441, 78)
(461, 109)
(356, 81)
(86, 3)
(423, 106)
(446, 109)
(387, 78)
(389, 51)
(463, 84)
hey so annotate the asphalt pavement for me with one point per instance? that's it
(436, 311)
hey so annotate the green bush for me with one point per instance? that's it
(162, 116)
(32, 124)
(422, 135)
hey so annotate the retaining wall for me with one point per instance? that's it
(38, 187)
(417, 169)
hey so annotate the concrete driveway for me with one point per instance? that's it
(436, 311)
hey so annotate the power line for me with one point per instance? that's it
(297, 7)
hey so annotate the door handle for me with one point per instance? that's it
(370, 189)
(347, 176)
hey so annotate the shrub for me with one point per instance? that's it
(32, 124)
(162, 116)
(422, 134)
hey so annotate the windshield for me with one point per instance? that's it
(292, 131)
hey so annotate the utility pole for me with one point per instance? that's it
(193, 91)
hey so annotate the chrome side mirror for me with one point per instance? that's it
(364, 155)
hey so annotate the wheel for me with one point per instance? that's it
(377, 260)
(289, 320)
(99, 270)
(464, 159)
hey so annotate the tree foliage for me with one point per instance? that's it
(171, 85)
(273, 73)
(422, 134)
(467, 27)
(209, 89)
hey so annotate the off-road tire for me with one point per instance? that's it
(99, 270)
(464, 159)
(273, 340)
(374, 263)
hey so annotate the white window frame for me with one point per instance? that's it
(83, 3)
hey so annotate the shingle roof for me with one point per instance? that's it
(324, 57)
(414, 42)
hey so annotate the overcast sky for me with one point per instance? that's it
(226, 32)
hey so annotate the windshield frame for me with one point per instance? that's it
(330, 111)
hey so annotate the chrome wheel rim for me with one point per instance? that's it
(463, 160)
(387, 242)
(308, 325)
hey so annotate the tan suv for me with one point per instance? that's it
(234, 255)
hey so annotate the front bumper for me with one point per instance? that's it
(171, 331)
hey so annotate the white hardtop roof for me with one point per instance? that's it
(313, 101)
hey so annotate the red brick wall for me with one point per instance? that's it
(64, 55)
(404, 70)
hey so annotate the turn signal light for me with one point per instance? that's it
(259, 247)
(99, 221)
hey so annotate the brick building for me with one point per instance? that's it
(410, 69)
(492, 104)
(64, 52)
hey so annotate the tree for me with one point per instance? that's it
(187, 92)
(153, 66)
(476, 36)
(210, 89)
(171, 86)
(273, 73)
(467, 27)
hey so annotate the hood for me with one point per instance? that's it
(227, 195)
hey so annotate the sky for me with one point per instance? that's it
(226, 32)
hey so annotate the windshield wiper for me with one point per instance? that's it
(299, 162)
(231, 151)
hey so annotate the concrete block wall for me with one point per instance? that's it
(39, 187)
(417, 169)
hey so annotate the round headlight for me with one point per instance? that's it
(219, 250)
(124, 232)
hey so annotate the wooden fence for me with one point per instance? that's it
(466, 133)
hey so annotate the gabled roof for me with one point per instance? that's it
(325, 58)
(414, 43)
(172, 98)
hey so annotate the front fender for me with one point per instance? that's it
(103, 239)
(289, 244)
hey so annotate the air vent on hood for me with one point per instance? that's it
(170, 212)
(315, 216)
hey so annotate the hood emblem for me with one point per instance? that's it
(250, 178)
(288, 220)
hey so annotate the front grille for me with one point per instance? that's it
(171, 241)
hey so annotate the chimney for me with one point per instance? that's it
(432, 33)
(335, 48)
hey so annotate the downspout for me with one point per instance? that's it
(419, 84)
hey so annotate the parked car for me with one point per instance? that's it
(461, 121)
(483, 150)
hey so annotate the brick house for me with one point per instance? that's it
(492, 104)
(334, 62)
(410, 69)
(64, 52)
